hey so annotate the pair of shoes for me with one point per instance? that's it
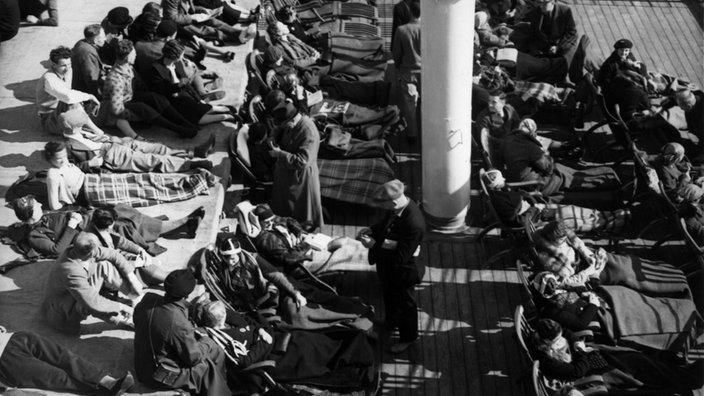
(401, 346)
(122, 385)
(205, 149)
(213, 95)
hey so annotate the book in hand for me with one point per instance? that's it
(317, 241)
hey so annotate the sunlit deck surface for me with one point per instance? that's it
(466, 306)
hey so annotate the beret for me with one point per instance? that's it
(623, 43)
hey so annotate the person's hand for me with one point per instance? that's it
(553, 50)
(300, 300)
(593, 299)
(265, 336)
(117, 139)
(96, 162)
(200, 17)
(75, 220)
(274, 150)
(94, 99)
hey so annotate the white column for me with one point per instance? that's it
(447, 39)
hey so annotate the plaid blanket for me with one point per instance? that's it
(543, 92)
(353, 180)
(145, 189)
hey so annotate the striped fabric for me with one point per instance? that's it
(353, 180)
(145, 189)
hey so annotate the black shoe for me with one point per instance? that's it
(201, 66)
(122, 385)
(199, 213)
(203, 164)
(205, 149)
(192, 226)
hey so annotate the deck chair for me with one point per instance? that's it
(254, 62)
(523, 332)
(239, 155)
(520, 272)
(515, 234)
(248, 227)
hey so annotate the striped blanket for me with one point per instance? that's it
(145, 189)
(353, 180)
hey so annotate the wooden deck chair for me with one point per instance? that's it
(254, 62)
(523, 332)
(521, 274)
(238, 152)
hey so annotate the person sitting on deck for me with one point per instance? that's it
(125, 100)
(60, 108)
(526, 160)
(86, 62)
(564, 357)
(170, 353)
(28, 360)
(73, 288)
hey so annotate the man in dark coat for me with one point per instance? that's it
(394, 244)
(169, 351)
(296, 189)
(553, 31)
(9, 19)
(86, 62)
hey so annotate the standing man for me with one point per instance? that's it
(401, 16)
(406, 52)
(73, 288)
(169, 351)
(87, 64)
(294, 144)
(394, 244)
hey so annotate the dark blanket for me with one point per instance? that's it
(353, 180)
(378, 148)
(646, 276)
(597, 178)
(660, 323)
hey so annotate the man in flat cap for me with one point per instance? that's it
(169, 352)
(621, 60)
(394, 245)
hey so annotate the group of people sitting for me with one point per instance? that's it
(130, 73)
(644, 314)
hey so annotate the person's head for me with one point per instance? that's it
(672, 153)
(546, 6)
(623, 48)
(286, 14)
(481, 20)
(258, 133)
(528, 126)
(173, 50)
(282, 110)
(291, 81)
(60, 58)
(497, 101)
(179, 284)
(554, 232)
(390, 195)
(273, 56)
(167, 29)
(125, 53)
(685, 99)
(414, 6)
(229, 251)
(103, 218)
(277, 31)
(149, 24)
(153, 8)
(28, 209)
(119, 18)
(265, 215)
(56, 154)
(214, 314)
(493, 179)
(549, 340)
(690, 192)
(95, 35)
(84, 246)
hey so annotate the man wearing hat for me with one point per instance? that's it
(294, 144)
(169, 351)
(620, 60)
(115, 26)
(394, 245)
(279, 241)
(86, 62)
(73, 287)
